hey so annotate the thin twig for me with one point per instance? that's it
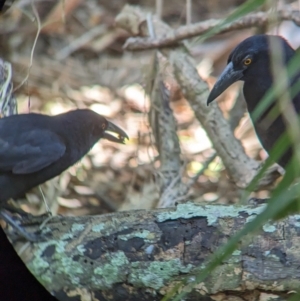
(150, 26)
(81, 41)
(39, 27)
(189, 31)
(188, 12)
(159, 8)
(44, 200)
(8, 102)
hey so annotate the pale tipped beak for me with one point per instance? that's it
(115, 134)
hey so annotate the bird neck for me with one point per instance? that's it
(259, 78)
(80, 131)
(255, 89)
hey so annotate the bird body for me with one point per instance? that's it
(251, 62)
(35, 148)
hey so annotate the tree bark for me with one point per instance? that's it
(141, 255)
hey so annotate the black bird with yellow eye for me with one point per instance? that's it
(251, 62)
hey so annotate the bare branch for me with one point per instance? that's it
(8, 102)
(241, 168)
(163, 124)
(189, 31)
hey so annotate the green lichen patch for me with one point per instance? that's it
(145, 234)
(61, 265)
(111, 272)
(211, 212)
(98, 227)
(154, 274)
(269, 228)
(77, 227)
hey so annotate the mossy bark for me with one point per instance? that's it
(141, 255)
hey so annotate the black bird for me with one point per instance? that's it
(251, 62)
(16, 282)
(35, 148)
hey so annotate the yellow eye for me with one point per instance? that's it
(247, 61)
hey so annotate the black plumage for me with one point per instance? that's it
(35, 148)
(16, 282)
(251, 62)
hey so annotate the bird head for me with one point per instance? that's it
(250, 60)
(93, 126)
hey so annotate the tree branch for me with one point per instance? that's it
(141, 255)
(189, 31)
(163, 124)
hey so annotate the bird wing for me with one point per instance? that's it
(29, 151)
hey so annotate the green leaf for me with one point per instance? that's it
(244, 9)
(295, 297)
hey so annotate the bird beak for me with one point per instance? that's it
(226, 79)
(114, 133)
